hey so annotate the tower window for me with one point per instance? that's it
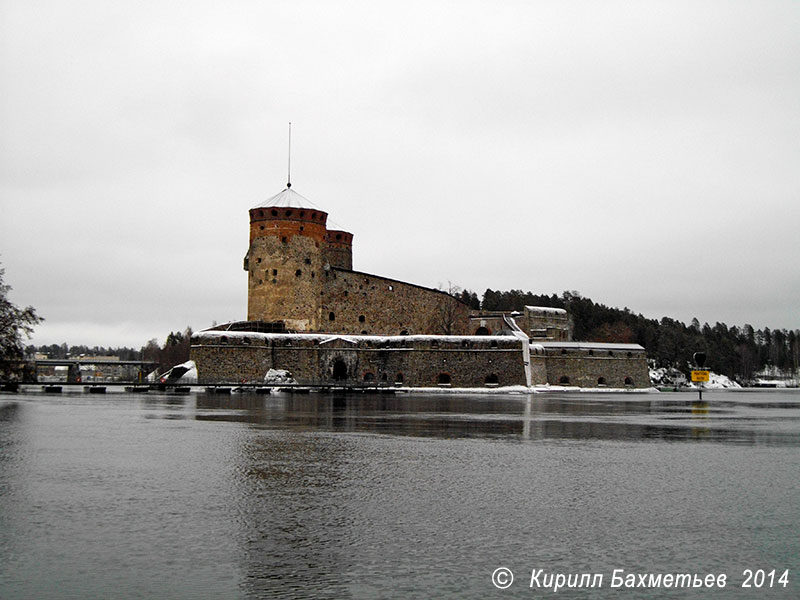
(361, 318)
(274, 213)
(307, 261)
(302, 213)
(284, 239)
(288, 213)
(331, 317)
(258, 260)
(298, 273)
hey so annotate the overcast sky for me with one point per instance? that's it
(645, 154)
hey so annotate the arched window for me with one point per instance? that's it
(369, 377)
(361, 318)
(443, 379)
(298, 273)
(601, 381)
(399, 378)
(331, 317)
(493, 344)
(628, 381)
(274, 213)
(491, 379)
(404, 332)
(564, 379)
(481, 331)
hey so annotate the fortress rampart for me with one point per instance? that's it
(414, 361)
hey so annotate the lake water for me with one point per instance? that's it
(395, 496)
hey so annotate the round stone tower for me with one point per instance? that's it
(340, 249)
(285, 261)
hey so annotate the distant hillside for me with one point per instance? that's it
(736, 352)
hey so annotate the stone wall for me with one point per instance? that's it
(360, 303)
(545, 323)
(416, 361)
(595, 364)
(285, 279)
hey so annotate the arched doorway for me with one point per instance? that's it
(339, 370)
(481, 331)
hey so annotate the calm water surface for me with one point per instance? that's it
(402, 496)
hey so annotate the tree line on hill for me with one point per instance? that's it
(738, 352)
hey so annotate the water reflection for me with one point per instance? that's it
(675, 417)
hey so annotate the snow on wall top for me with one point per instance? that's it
(324, 338)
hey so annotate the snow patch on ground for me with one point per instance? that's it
(279, 376)
(716, 382)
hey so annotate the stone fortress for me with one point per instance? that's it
(311, 314)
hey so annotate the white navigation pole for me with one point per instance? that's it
(289, 176)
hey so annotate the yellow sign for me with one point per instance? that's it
(700, 376)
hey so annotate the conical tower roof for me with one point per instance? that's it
(288, 198)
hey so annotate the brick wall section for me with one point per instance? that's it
(224, 357)
(361, 302)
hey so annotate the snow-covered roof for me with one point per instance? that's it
(288, 198)
(590, 345)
